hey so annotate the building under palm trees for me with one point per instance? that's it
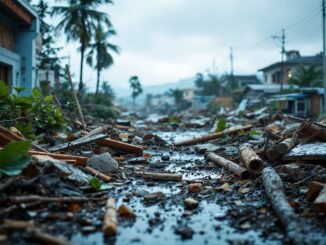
(273, 73)
(18, 32)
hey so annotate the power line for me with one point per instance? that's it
(294, 24)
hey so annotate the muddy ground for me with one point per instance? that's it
(230, 210)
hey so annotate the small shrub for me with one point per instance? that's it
(32, 114)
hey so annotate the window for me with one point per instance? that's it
(301, 105)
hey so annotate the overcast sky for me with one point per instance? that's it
(167, 40)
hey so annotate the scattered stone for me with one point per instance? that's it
(165, 158)
(104, 163)
(125, 211)
(185, 232)
(190, 203)
(195, 187)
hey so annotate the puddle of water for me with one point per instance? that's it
(172, 137)
(208, 229)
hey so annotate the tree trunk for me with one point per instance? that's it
(81, 85)
(98, 80)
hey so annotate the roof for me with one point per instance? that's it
(303, 60)
(18, 10)
(314, 90)
(270, 88)
(242, 77)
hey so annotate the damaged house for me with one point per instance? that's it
(18, 33)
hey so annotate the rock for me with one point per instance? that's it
(165, 158)
(63, 169)
(185, 232)
(104, 163)
(138, 160)
(125, 211)
(190, 203)
(195, 187)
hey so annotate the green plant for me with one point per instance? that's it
(221, 125)
(32, 114)
(14, 158)
(96, 184)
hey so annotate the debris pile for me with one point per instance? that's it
(258, 172)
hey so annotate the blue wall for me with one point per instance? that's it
(22, 59)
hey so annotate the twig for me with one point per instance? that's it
(75, 97)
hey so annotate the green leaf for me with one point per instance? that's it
(26, 130)
(255, 132)
(221, 125)
(13, 157)
(36, 93)
(19, 89)
(4, 90)
(48, 98)
(95, 183)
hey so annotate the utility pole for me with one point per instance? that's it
(231, 68)
(283, 59)
(282, 40)
(324, 52)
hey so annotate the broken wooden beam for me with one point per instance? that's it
(275, 191)
(230, 166)
(214, 136)
(110, 220)
(120, 146)
(98, 174)
(6, 136)
(250, 158)
(76, 143)
(79, 161)
(286, 145)
(311, 131)
(43, 199)
(320, 202)
(160, 176)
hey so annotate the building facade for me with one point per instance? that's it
(18, 32)
(273, 73)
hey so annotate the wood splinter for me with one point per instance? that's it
(252, 161)
(110, 221)
(160, 176)
(231, 166)
(286, 145)
(275, 191)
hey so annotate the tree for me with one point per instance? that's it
(177, 94)
(136, 87)
(79, 21)
(99, 51)
(309, 76)
(48, 59)
(208, 87)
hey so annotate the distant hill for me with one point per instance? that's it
(158, 89)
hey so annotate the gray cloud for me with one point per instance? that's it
(165, 40)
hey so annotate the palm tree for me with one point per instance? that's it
(136, 87)
(78, 22)
(100, 49)
(309, 76)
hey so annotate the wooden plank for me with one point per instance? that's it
(76, 143)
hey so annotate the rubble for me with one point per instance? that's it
(261, 171)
